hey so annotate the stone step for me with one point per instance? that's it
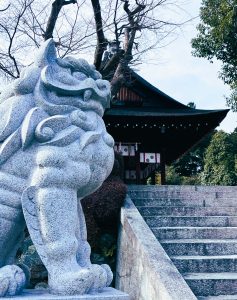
(183, 188)
(185, 201)
(177, 194)
(187, 211)
(147, 191)
(212, 284)
(192, 221)
(211, 263)
(221, 297)
(195, 232)
(200, 246)
(168, 202)
(163, 195)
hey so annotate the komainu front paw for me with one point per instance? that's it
(12, 280)
(76, 282)
(82, 281)
(103, 277)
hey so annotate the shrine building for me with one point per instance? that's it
(152, 130)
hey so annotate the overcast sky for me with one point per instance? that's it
(186, 78)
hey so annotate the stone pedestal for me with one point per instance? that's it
(43, 294)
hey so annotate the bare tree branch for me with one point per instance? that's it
(101, 40)
(116, 25)
(55, 10)
(4, 9)
(11, 37)
(119, 76)
(35, 19)
(130, 27)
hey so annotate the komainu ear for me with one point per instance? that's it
(46, 54)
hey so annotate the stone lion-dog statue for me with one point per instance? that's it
(54, 151)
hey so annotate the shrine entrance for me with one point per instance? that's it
(141, 167)
(152, 130)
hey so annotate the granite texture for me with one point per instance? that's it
(144, 270)
(40, 294)
(54, 150)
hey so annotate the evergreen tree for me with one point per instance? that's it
(217, 39)
(192, 163)
(219, 161)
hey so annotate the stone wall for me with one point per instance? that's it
(144, 270)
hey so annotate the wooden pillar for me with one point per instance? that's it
(138, 168)
(162, 167)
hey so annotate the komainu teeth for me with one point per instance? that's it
(87, 95)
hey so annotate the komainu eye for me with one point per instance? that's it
(79, 75)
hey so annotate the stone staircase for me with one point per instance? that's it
(197, 227)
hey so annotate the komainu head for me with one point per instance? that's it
(51, 96)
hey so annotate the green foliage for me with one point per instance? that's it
(105, 252)
(217, 38)
(107, 244)
(172, 177)
(212, 162)
(191, 180)
(28, 257)
(233, 140)
(191, 164)
(186, 169)
(219, 161)
(231, 100)
(149, 181)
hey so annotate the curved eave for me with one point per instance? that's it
(152, 112)
(160, 95)
(182, 129)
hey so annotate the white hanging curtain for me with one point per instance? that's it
(151, 158)
(125, 149)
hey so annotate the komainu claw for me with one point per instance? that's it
(12, 280)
